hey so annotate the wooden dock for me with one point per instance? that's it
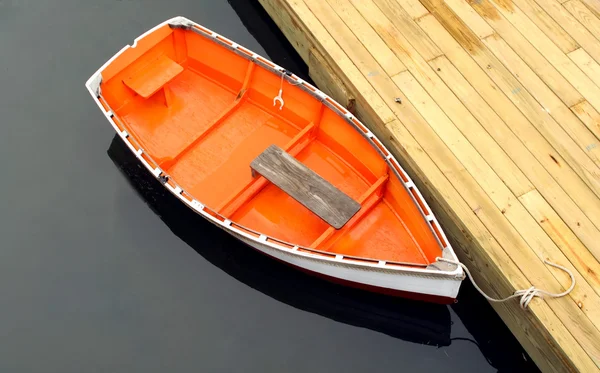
(493, 107)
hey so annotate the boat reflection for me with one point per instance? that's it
(412, 321)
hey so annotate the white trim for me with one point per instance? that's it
(400, 281)
(198, 206)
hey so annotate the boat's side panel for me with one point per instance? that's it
(385, 281)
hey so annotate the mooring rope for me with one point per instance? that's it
(526, 294)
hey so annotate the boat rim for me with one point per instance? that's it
(93, 86)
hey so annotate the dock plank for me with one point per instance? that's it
(370, 40)
(511, 173)
(526, 50)
(538, 14)
(589, 116)
(587, 64)
(562, 124)
(479, 72)
(548, 187)
(570, 24)
(305, 186)
(534, 113)
(593, 6)
(406, 27)
(564, 238)
(414, 8)
(468, 130)
(380, 83)
(469, 16)
(502, 228)
(543, 44)
(365, 69)
(584, 16)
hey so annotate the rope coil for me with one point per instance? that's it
(526, 294)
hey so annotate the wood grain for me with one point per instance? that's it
(584, 15)
(305, 186)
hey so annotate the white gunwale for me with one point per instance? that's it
(257, 238)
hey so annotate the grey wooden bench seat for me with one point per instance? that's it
(305, 186)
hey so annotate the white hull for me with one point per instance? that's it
(384, 279)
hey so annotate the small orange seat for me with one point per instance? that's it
(153, 76)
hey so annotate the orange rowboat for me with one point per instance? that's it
(274, 161)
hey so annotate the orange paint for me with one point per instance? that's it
(203, 113)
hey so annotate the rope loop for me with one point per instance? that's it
(526, 295)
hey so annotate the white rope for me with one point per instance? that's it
(527, 294)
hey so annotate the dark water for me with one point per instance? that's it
(102, 271)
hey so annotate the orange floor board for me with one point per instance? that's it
(165, 131)
(380, 235)
(219, 165)
(332, 168)
(275, 213)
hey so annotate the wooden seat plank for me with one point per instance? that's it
(305, 186)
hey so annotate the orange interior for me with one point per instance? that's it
(203, 113)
